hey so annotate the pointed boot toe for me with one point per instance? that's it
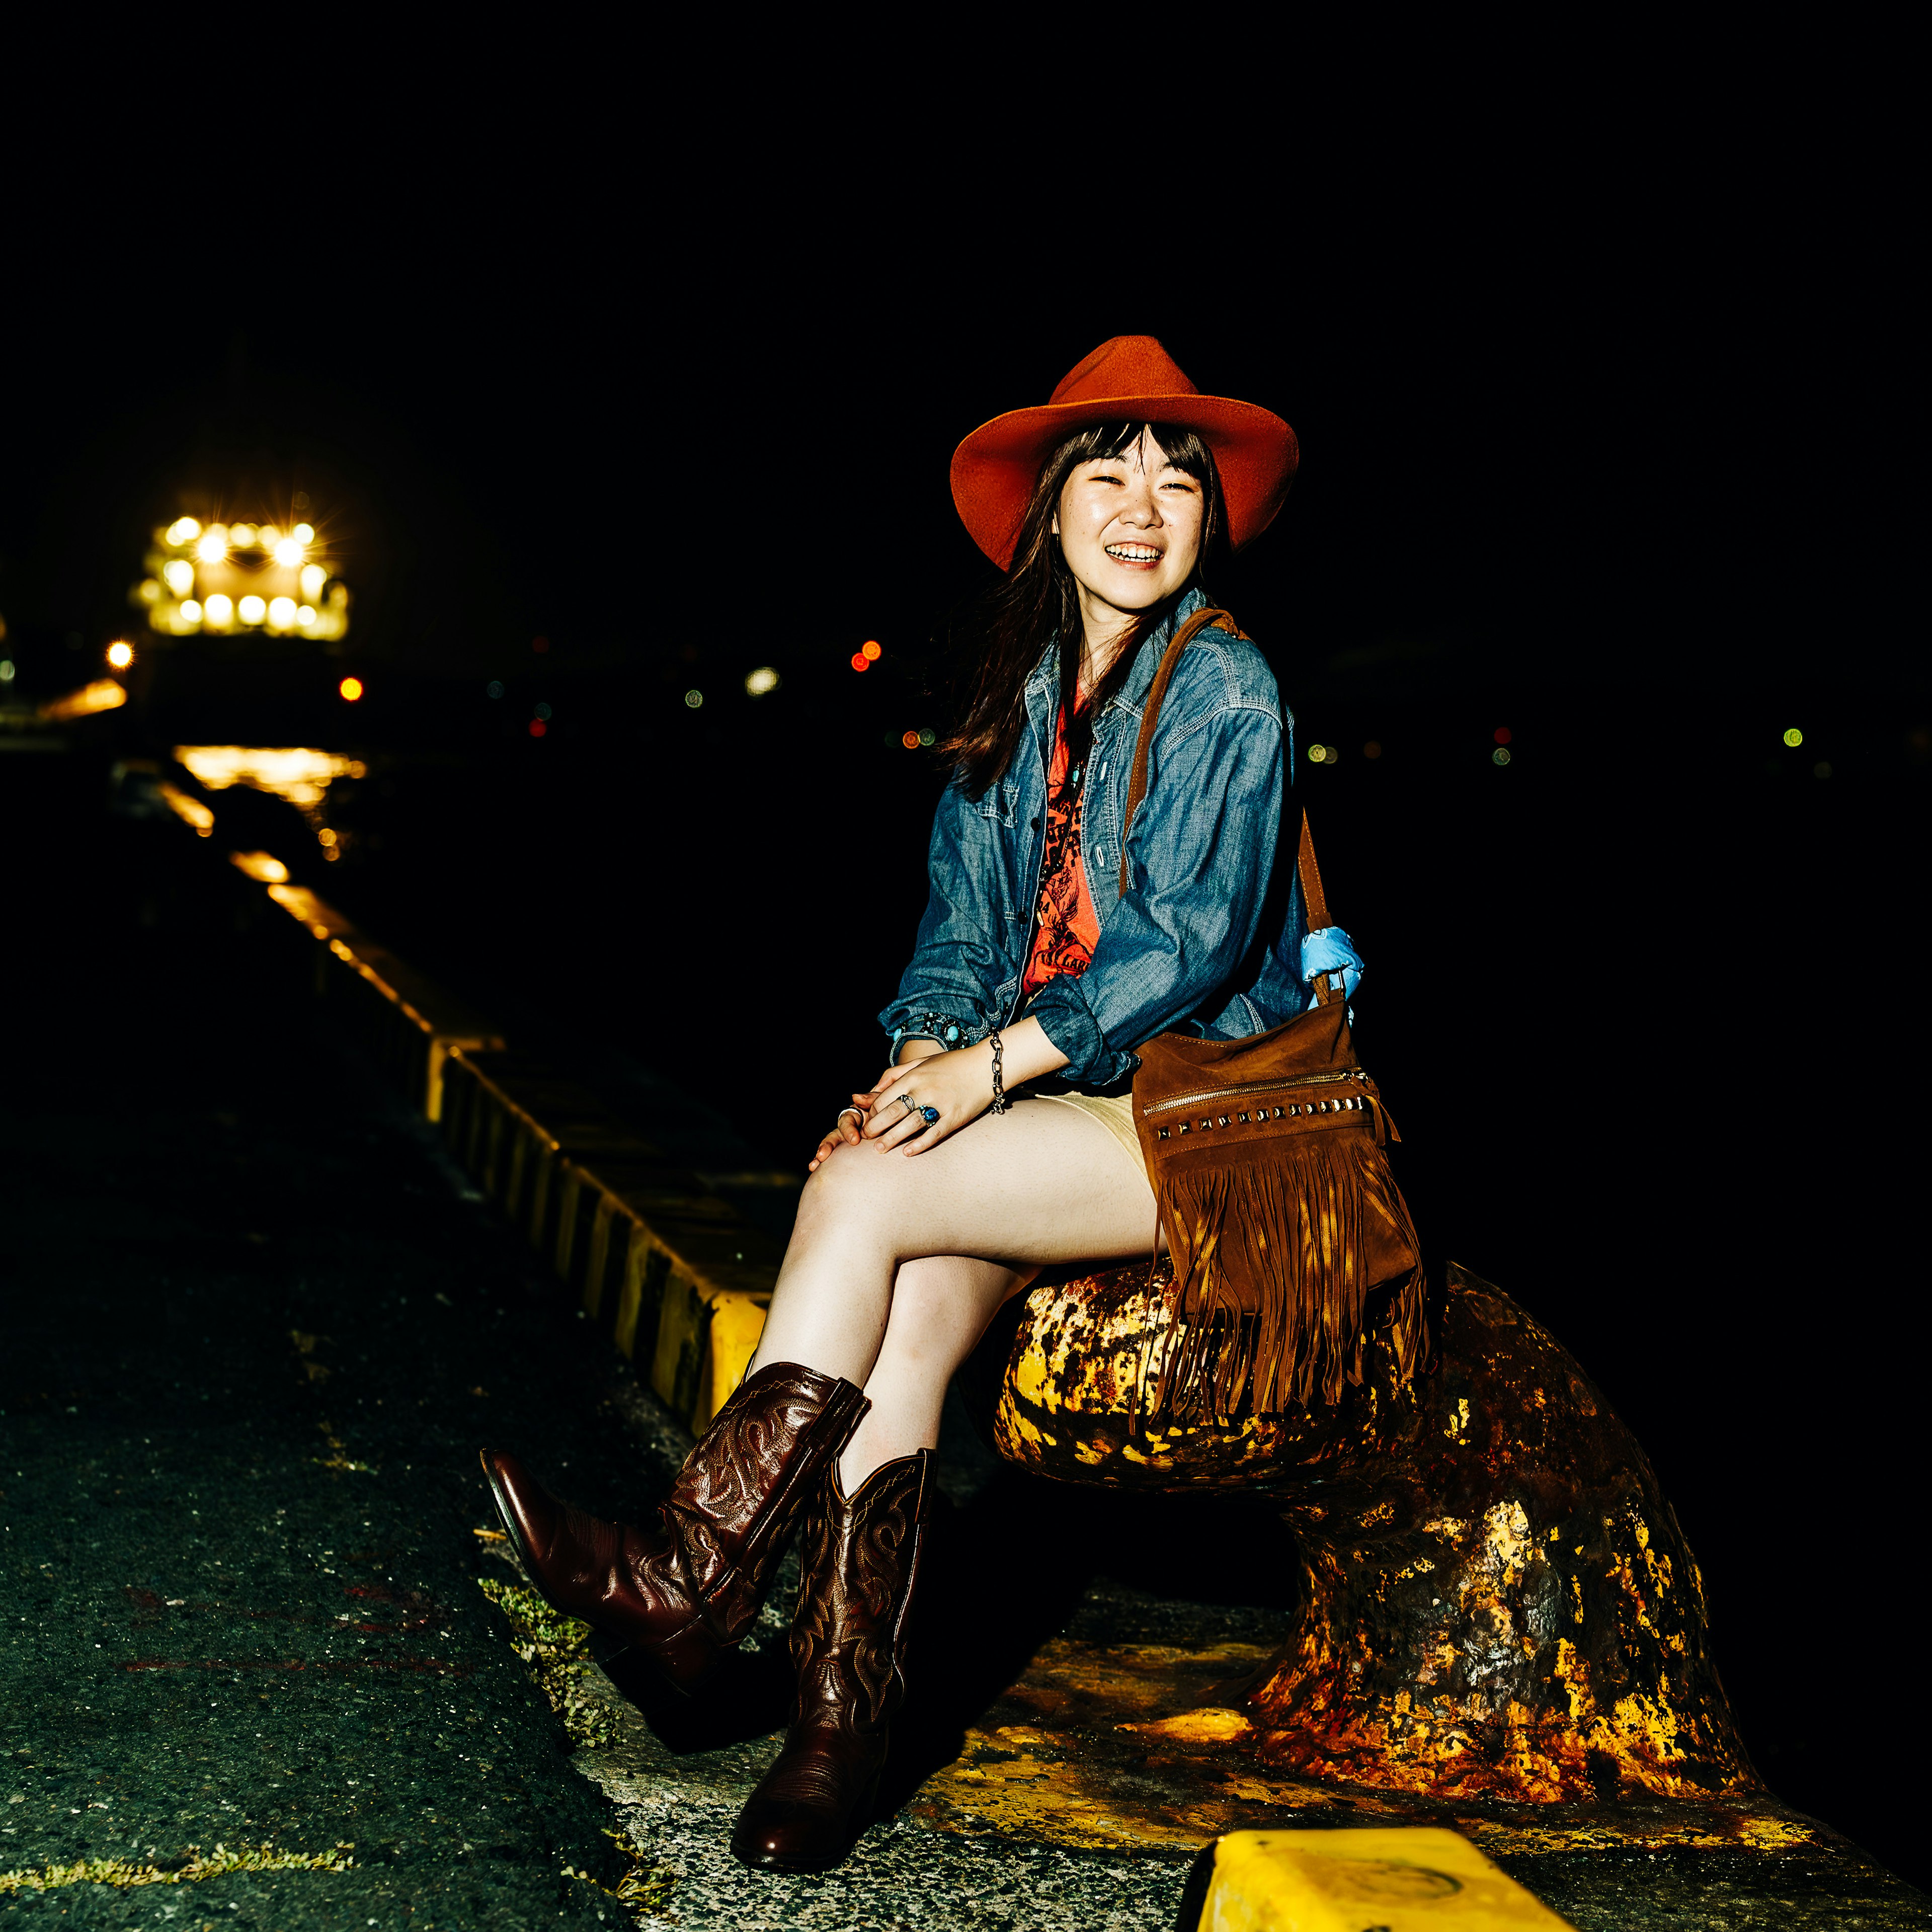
(791, 1837)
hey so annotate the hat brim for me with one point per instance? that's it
(995, 469)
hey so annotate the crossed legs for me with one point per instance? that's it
(898, 1263)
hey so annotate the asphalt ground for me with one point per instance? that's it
(252, 1336)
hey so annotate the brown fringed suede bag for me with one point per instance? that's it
(1281, 1214)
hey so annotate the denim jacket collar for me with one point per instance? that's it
(1042, 687)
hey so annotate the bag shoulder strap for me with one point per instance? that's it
(1315, 906)
(1314, 900)
(1170, 663)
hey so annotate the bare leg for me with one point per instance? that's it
(1001, 1198)
(940, 1307)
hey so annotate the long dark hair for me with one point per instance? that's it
(1039, 602)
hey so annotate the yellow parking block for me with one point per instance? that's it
(1412, 1878)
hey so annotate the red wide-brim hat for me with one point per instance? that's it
(1130, 379)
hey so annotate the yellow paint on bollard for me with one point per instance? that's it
(1410, 1879)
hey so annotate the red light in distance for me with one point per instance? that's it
(1502, 734)
(871, 651)
(538, 727)
(860, 661)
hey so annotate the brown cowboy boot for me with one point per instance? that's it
(861, 1562)
(688, 1588)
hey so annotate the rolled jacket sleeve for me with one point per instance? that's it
(1200, 854)
(961, 970)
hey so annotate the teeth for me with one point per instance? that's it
(1133, 552)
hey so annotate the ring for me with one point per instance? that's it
(906, 1101)
(930, 1115)
(856, 1113)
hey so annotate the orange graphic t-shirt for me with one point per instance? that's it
(1069, 929)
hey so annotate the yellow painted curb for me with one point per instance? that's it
(1409, 1878)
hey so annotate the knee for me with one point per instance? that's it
(850, 1183)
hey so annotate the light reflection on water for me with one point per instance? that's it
(297, 774)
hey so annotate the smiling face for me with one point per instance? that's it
(1130, 527)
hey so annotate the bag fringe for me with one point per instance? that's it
(1281, 1320)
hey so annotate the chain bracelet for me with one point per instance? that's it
(1000, 1102)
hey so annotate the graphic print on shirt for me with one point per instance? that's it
(1069, 928)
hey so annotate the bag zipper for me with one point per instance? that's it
(1251, 1086)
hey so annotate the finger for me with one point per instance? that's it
(925, 1139)
(888, 1111)
(913, 1127)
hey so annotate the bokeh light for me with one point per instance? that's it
(213, 546)
(190, 612)
(220, 609)
(1821, 770)
(183, 530)
(252, 609)
(871, 651)
(928, 736)
(313, 576)
(763, 680)
(538, 727)
(303, 533)
(120, 655)
(241, 535)
(1372, 749)
(544, 712)
(694, 699)
(493, 688)
(281, 613)
(177, 573)
(1502, 734)
(910, 739)
(351, 688)
(1794, 737)
(288, 551)
(1500, 756)
(860, 661)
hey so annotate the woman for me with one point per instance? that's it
(999, 1139)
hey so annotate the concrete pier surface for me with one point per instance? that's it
(265, 1664)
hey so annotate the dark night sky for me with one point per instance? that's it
(1624, 417)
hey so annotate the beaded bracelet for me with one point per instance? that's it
(1000, 1102)
(948, 1032)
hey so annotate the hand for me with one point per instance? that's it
(846, 1128)
(844, 1131)
(958, 1084)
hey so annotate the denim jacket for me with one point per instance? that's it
(1209, 936)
